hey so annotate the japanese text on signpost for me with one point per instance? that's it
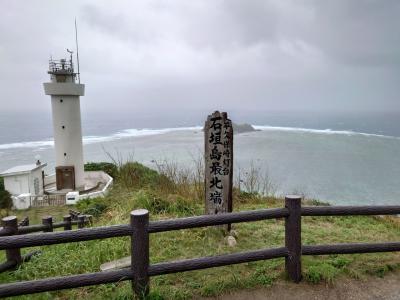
(218, 135)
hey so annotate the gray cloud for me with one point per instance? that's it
(201, 55)
(362, 33)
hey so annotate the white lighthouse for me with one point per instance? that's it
(29, 185)
(65, 104)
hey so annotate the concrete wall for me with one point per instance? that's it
(102, 176)
(22, 201)
(24, 183)
(17, 184)
(64, 88)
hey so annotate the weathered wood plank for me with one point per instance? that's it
(13, 254)
(140, 252)
(81, 221)
(216, 261)
(31, 228)
(87, 234)
(51, 238)
(220, 219)
(66, 282)
(293, 237)
(47, 221)
(218, 156)
(350, 248)
(67, 221)
(349, 210)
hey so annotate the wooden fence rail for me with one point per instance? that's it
(12, 227)
(140, 227)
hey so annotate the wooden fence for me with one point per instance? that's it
(12, 227)
(140, 228)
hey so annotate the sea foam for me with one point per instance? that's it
(127, 133)
(99, 139)
(320, 131)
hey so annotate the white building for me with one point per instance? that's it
(25, 181)
(65, 104)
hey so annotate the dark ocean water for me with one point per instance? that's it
(340, 158)
(26, 127)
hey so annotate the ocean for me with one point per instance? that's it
(338, 158)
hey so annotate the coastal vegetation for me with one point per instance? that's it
(5, 199)
(5, 202)
(172, 191)
(110, 168)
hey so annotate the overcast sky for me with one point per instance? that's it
(165, 56)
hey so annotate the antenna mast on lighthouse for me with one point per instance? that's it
(77, 51)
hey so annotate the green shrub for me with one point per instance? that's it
(5, 200)
(159, 205)
(313, 275)
(321, 271)
(339, 261)
(134, 174)
(243, 195)
(110, 168)
(151, 202)
(183, 206)
(94, 207)
(382, 270)
(2, 184)
(317, 202)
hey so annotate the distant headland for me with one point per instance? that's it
(242, 128)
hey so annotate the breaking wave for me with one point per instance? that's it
(127, 133)
(320, 131)
(98, 139)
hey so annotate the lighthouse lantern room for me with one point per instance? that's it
(65, 95)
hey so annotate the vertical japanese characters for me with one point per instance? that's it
(218, 135)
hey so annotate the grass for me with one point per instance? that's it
(162, 202)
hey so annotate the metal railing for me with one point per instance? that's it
(47, 200)
(62, 65)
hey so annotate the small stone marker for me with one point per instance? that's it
(116, 264)
(218, 140)
(231, 241)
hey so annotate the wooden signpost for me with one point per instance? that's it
(218, 140)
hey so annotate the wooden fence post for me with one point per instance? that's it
(48, 221)
(11, 223)
(81, 221)
(293, 237)
(140, 252)
(24, 222)
(67, 219)
(89, 220)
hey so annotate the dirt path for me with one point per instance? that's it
(387, 288)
